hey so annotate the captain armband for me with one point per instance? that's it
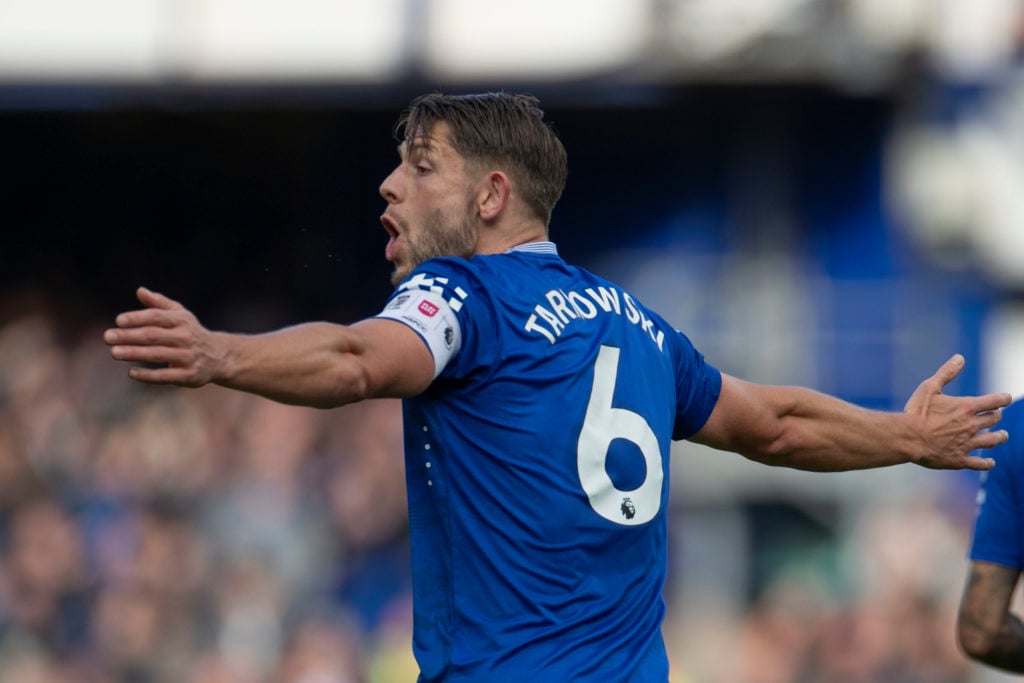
(430, 316)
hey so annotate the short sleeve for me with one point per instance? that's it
(997, 535)
(698, 386)
(442, 301)
(430, 315)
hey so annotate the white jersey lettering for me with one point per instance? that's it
(566, 307)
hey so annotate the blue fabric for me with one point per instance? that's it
(998, 530)
(519, 574)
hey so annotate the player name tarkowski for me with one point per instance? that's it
(564, 307)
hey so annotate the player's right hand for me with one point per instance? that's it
(167, 339)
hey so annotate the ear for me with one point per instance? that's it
(494, 195)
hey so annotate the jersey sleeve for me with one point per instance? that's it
(997, 528)
(439, 302)
(431, 316)
(698, 385)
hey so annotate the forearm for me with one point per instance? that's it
(314, 364)
(986, 628)
(817, 432)
(805, 429)
(322, 365)
(1004, 648)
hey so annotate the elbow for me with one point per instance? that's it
(974, 642)
(355, 386)
(770, 447)
(776, 449)
(347, 383)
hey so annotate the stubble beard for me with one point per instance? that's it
(437, 237)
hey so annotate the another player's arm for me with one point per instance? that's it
(986, 628)
(804, 429)
(314, 364)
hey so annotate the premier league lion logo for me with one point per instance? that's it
(628, 509)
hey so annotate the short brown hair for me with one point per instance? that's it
(502, 128)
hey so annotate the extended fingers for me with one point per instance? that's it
(156, 299)
(143, 336)
(949, 371)
(991, 402)
(170, 375)
(984, 437)
(148, 316)
(151, 354)
(989, 439)
(160, 312)
(971, 462)
(988, 419)
(158, 335)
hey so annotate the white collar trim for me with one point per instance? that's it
(535, 248)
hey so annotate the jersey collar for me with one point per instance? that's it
(535, 248)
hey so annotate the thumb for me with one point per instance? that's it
(949, 370)
(156, 299)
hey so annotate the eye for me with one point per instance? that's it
(422, 170)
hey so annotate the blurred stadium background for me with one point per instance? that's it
(823, 192)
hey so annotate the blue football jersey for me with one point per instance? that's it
(537, 470)
(999, 528)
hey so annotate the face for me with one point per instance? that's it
(430, 204)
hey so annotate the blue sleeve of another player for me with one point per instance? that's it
(698, 385)
(997, 536)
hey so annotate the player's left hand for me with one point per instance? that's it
(954, 426)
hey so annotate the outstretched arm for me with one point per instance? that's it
(986, 629)
(315, 364)
(805, 429)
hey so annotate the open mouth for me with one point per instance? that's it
(391, 226)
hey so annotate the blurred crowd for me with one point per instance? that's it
(158, 535)
(155, 534)
(875, 605)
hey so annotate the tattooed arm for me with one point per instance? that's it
(987, 631)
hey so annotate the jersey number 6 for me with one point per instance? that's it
(602, 425)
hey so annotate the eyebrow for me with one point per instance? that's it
(421, 144)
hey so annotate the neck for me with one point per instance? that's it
(496, 240)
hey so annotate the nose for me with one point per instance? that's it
(389, 188)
